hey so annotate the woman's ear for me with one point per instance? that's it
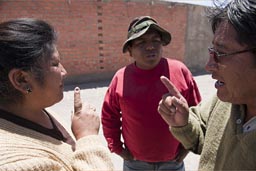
(20, 80)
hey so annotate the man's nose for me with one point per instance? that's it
(211, 65)
(150, 45)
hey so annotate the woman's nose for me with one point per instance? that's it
(63, 70)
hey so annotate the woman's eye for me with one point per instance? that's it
(55, 64)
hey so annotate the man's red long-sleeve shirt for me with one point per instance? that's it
(130, 109)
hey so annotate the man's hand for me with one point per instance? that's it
(173, 107)
(126, 155)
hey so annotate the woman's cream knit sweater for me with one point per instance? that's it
(23, 149)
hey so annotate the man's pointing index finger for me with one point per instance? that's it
(171, 88)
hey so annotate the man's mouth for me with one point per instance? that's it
(151, 55)
(219, 83)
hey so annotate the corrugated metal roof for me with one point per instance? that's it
(196, 2)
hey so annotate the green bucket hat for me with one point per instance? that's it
(140, 26)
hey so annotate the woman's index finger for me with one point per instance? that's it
(77, 100)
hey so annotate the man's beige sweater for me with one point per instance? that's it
(215, 130)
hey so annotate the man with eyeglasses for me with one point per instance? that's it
(130, 105)
(223, 129)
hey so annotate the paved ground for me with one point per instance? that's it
(94, 94)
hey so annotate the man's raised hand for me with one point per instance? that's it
(173, 107)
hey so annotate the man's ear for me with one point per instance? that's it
(20, 80)
(129, 49)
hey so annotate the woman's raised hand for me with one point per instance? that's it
(85, 120)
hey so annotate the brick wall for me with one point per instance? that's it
(91, 32)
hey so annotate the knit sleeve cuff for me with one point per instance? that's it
(92, 140)
(188, 135)
(91, 154)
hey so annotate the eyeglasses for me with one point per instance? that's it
(217, 55)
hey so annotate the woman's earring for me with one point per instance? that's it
(28, 90)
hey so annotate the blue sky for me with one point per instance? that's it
(198, 2)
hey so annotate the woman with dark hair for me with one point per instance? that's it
(31, 79)
(223, 129)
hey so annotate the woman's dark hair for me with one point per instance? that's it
(241, 14)
(25, 44)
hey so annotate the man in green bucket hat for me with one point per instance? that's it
(130, 106)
